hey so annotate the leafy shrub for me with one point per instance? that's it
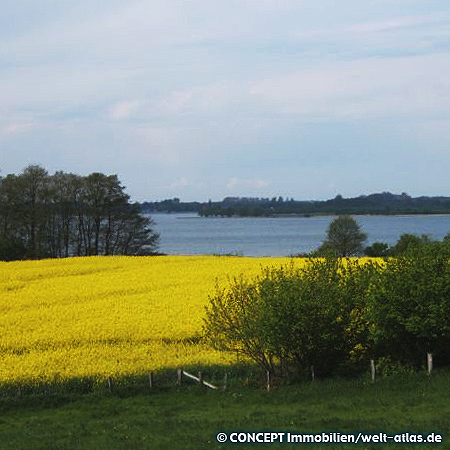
(387, 367)
(408, 309)
(290, 318)
(332, 311)
(233, 321)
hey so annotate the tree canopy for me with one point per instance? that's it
(61, 215)
(344, 238)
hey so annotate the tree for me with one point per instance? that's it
(408, 309)
(63, 215)
(344, 238)
(24, 206)
(410, 244)
(11, 249)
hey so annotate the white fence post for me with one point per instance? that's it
(430, 363)
(372, 370)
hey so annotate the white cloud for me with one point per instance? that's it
(180, 183)
(178, 87)
(124, 110)
(210, 98)
(361, 89)
(248, 183)
(391, 35)
(176, 102)
(183, 183)
(393, 24)
(169, 146)
(16, 128)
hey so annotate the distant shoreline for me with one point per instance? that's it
(194, 215)
(381, 204)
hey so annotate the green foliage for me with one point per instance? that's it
(377, 250)
(338, 311)
(409, 309)
(302, 315)
(410, 244)
(388, 367)
(383, 203)
(290, 319)
(233, 319)
(11, 249)
(61, 215)
(344, 238)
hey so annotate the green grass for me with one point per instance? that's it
(189, 417)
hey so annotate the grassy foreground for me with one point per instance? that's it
(189, 417)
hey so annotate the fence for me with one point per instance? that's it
(163, 380)
(180, 373)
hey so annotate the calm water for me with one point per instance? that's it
(188, 234)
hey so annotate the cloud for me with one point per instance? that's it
(16, 128)
(176, 102)
(249, 183)
(124, 110)
(209, 98)
(180, 183)
(169, 146)
(382, 37)
(420, 22)
(361, 89)
(394, 24)
(261, 89)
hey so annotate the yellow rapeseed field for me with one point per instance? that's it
(103, 316)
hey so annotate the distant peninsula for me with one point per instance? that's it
(384, 203)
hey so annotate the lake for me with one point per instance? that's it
(189, 234)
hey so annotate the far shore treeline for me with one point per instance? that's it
(62, 215)
(384, 203)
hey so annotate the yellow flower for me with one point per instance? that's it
(102, 316)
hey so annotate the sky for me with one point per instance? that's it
(204, 99)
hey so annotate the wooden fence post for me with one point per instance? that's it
(111, 384)
(312, 373)
(372, 370)
(225, 382)
(268, 380)
(200, 379)
(430, 363)
(179, 377)
(150, 379)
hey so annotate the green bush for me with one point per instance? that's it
(408, 310)
(289, 319)
(334, 312)
(304, 315)
(233, 321)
